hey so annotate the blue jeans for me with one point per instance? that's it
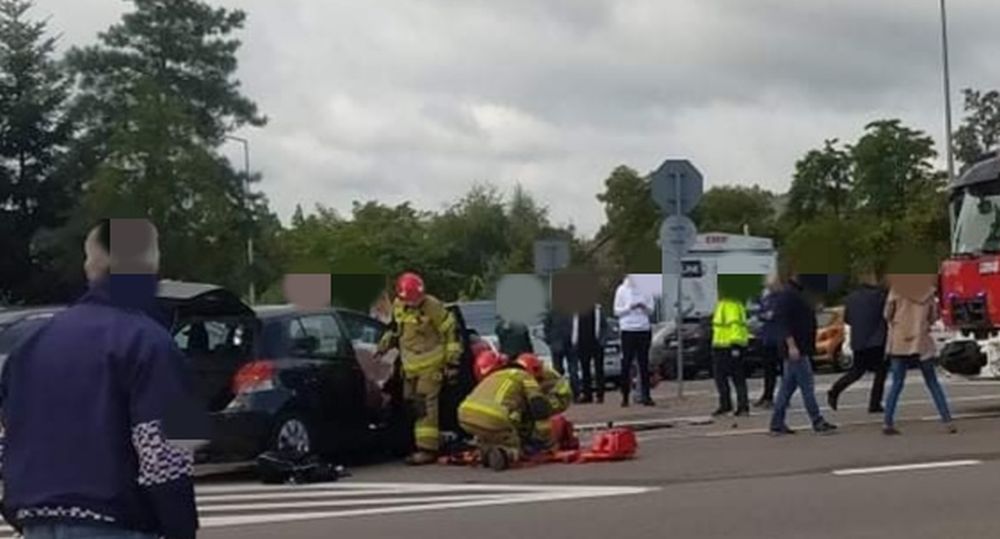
(81, 531)
(798, 375)
(899, 366)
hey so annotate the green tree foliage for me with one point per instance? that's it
(158, 96)
(728, 208)
(892, 163)
(849, 205)
(980, 130)
(461, 251)
(633, 220)
(34, 131)
(822, 183)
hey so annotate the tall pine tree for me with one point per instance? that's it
(34, 131)
(159, 96)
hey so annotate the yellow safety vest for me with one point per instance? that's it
(729, 325)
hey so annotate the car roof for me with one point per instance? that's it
(181, 290)
(279, 311)
(16, 314)
(181, 297)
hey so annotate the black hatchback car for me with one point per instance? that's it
(279, 378)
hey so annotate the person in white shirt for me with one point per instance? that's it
(633, 309)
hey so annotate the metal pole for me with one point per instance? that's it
(678, 316)
(947, 115)
(252, 292)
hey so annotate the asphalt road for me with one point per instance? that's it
(716, 480)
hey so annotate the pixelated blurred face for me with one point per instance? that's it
(308, 292)
(134, 247)
(97, 261)
(521, 298)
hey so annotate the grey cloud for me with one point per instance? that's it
(419, 99)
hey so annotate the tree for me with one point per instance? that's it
(728, 208)
(34, 131)
(158, 95)
(822, 183)
(980, 130)
(892, 164)
(632, 220)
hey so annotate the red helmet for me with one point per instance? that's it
(487, 363)
(531, 363)
(410, 287)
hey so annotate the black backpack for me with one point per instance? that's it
(277, 467)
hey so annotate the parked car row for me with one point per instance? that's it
(275, 377)
(696, 335)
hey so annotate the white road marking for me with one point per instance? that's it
(248, 504)
(907, 467)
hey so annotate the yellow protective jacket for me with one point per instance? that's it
(426, 335)
(509, 395)
(729, 324)
(557, 390)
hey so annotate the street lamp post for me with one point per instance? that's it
(246, 172)
(947, 111)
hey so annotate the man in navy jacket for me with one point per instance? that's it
(90, 404)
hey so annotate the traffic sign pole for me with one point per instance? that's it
(677, 186)
(678, 317)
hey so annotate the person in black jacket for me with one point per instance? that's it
(91, 403)
(514, 337)
(863, 312)
(796, 312)
(558, 329)
(589, 334)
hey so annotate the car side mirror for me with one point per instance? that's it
(305, 345)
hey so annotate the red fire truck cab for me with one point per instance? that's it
(970, 277)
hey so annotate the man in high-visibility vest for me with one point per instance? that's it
(427, 338)
(730, 336)
(502, 410)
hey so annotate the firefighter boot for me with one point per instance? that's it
(497, 459)
(421, 458)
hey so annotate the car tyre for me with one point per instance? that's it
(293, 432)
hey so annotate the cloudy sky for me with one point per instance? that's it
(419, 99)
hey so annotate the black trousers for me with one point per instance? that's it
(771, 361)
(591, 358)
(872, 359)
(728, 363)
(635, 349)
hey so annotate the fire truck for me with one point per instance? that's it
(969, 279)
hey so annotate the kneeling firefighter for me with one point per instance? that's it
(501, 410)
(556, 390)
(427, 338)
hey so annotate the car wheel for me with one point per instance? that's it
(292, 433)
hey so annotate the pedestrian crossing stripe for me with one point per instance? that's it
(255, 504)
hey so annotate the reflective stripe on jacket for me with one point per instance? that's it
(729, 324)
(504, 394)
(557, 390)
(426, 334)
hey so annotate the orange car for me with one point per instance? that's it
(829, 336)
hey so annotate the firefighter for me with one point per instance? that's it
(557, 392)
(427, 338)
(501, 410)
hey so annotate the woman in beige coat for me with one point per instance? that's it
(910, 311)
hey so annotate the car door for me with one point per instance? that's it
(342, 381)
